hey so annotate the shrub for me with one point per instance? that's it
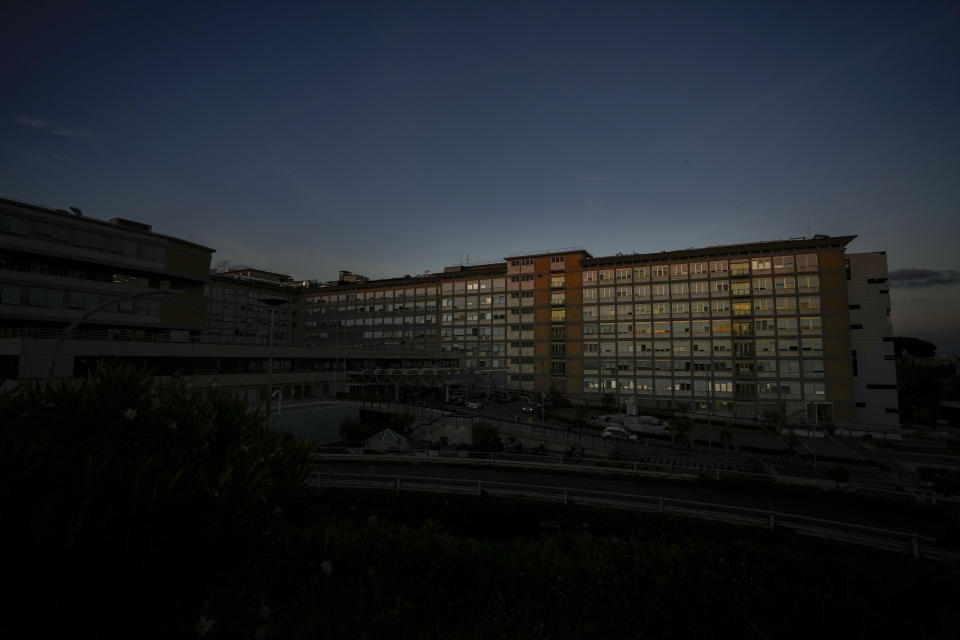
(127, 496)
(486, 437)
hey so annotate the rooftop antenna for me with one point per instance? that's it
(77, 212)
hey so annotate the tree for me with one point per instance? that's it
(486, 437)
(608, 403)
(913, 347)
(400, 422)
(126, 495)
(726, 437)
(681, 426)
(773, 419)
(352, 430)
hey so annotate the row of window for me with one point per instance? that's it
(758, 306)
(84, 239)
(757, 286)
(782, 306)
(56, 298)
(787, 368)
(758, 390)
(747, 348)
(686, 328)
(716, 268)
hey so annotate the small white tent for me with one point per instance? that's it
(387, 439)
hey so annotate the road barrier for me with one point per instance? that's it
(852, 533)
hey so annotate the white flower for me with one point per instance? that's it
(204, 626)
(326, 568)
(129, 414)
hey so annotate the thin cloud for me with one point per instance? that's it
(912, 278)
(49, 126)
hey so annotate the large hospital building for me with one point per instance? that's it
(798, 327)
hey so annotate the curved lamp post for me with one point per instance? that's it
(73, 325)
(273, 303)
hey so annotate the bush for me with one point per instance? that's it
(126, 497)
(486, 437)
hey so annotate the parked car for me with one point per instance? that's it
(529, 408)
(475, 406)
(618, 433)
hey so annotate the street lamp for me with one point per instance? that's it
(73, 325)
(272, 303)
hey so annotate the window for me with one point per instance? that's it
(624, 275)
(661, 308)
(9, 294)
(558, 259)
(641, 273)
(589, 294)
(807, 262)
(741, 308)
(720, 286)
(718, 266)
(589, 277)
(808, 303)
(785, 284)
(813, 367)
(701, 327)
(698, 288)
(558, 315)
(642, 291)
(605, 275)
(762, 306)
(15, 226)
(760, 264)
(808, 283)
(783, 263)
(721, 327)
(660, 271)
(762, 286)
(738, 287)
(786, 305)
(787, 325)
(721, 307)
(558, 282)
(681, 308)
(679, 289)
(739, 268)
(699, 268)
(558, 298)
(679, 270)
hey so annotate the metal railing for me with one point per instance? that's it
(879, 538)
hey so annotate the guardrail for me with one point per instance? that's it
(887, 539)
(517, 460)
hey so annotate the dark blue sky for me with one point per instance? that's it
(299, 138)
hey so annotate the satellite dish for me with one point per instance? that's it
(77, 211)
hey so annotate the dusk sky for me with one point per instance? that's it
(392, 138)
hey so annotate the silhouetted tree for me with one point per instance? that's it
(913, 347)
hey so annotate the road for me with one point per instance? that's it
(908, 523)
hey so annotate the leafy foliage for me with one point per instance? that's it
(121, 485)
(913, 347)
(486, 437)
